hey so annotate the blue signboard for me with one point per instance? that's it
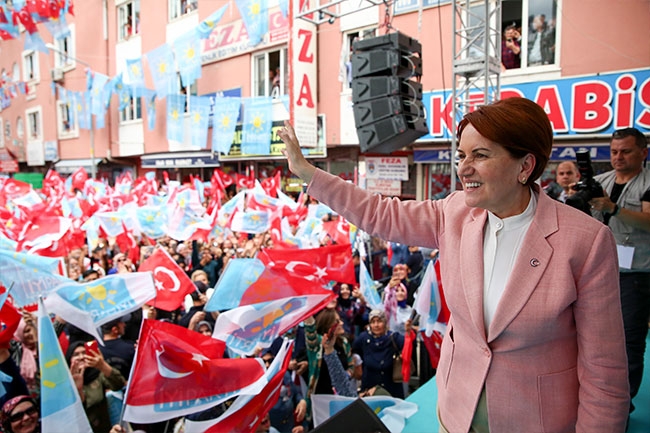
(585, 106)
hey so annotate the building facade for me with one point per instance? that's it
(579, 60)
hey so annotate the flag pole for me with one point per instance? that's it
(128, 382)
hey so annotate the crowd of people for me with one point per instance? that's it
(364, 340)
(543, 307)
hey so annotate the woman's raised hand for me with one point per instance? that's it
(298, 164)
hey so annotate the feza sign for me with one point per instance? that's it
(589, 105)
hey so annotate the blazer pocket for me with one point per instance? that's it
(558, 400)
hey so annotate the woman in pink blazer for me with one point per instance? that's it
(535, 341)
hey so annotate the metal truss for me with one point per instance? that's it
(477, 61)
(328, 11)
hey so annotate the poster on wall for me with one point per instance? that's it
(387, 168)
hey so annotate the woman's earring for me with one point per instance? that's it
(523, 181)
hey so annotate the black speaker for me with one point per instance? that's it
(388, 110)
(367, 88)
(357, 417)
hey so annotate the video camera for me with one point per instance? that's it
(587, 188)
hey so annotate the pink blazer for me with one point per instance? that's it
(553, 358)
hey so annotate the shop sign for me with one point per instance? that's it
(180, 161)
(594, 105)
(231, 39)
(387, 168)
(384, 187)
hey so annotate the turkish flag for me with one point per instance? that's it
(247, 417)
(178, 371)
(127, 244)
(79, 178)
(433, 344)
(9, 319)
(271, 184)
(223, 178)
(172, 283)
(338, 231)
(324, 264)
(15, 188)
(407, 352)
(44, 231)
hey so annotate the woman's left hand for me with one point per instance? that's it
(301, 410)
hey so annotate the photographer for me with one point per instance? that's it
(626, 209)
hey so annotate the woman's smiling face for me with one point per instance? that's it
(491, 176)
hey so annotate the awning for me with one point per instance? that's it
(180, 160)
(68, 166)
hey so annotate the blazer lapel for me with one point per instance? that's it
(530, 265)
(471, 267)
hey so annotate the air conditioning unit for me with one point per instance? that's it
(57, 74)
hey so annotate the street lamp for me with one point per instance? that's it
(93, 168)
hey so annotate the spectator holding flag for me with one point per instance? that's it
(539, 309)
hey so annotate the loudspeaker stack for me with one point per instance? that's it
(387, 93)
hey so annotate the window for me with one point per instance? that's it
(345, 75)
(270, 73)
(193, 90)
(30, 66)
(66, 123)
(128, 19)
(20, 127)
(133, 110)
(537, 38)
(34, 127)
(179, 8)
(64, 53)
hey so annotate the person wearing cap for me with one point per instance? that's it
(20, 415)
(376, 346)
(119, 353)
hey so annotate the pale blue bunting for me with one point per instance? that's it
(82, 109)
(208, 25)
(284, 7)
(226, 111)
(187, 49)
(175, 116)
(199, 114)
(258, 118)
(163, 70)
(58, 27)
(134, 71)
(149, 101)
(97, 92)
(255, 14)
(113, 86)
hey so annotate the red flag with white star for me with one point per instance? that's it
(178, 371)
(172, 283)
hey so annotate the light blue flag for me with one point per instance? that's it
(368, 289)
(100, 120)
(226, 111)
(187, 49)
(58, 27)
(4, 378)
(81, 110)
(175, 116)
(7, 244)
(33, 41)
(149, 101)
(255, 14)
(3, 299)
(256, 130)
(238, 275)
(114, 86)
(97, 93)
(163, 70)
(251, 221)
(152, 221)
(135, 71)
(208, 25)
(31, 275)
(284, 7)
(90, 305)
(61, 407)
(199, 115)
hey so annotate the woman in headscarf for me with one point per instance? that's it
(20, 415)
(24, 352)
(93, 377)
